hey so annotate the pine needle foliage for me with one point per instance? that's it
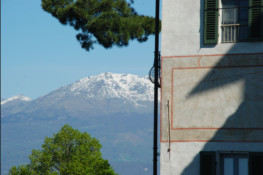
(105, 22)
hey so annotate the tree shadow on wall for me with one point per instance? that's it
(231, 70)
(249, 113)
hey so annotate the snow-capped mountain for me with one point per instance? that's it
(15, 99)
(115, 108)
(103, 94)
(109, 86)
(13, 105)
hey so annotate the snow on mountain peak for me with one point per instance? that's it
(103, 94)
(15, 98)
(111, 85)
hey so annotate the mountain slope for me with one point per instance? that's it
(104, 94)
(115, 108)
(13, 105)
(16, 99)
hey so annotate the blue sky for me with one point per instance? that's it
(38, 54)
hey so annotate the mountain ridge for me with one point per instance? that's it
(115, 108)
(15, 98)
(102, 94)
(133, 85)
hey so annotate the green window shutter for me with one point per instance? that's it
(207, 163)
(255, 163)
(211, 22)
(255, 20)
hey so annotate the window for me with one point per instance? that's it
(250, 163)
(241, 20)
(234, 25)
(234, 164)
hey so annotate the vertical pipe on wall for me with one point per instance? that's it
(156, 72)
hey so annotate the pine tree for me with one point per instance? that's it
(105, 22)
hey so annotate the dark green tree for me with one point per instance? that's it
(69, 152)
(105, 22)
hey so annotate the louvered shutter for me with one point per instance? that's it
(255, 163)
(207, 163)
(256, 19)
(211, 22)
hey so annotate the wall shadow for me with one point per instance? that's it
(249, 113)
(252, 77)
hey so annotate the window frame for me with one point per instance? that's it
(212, 22)
(235, 26)
(213, 160)
(235, 156)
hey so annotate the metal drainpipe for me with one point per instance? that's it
(156, 70)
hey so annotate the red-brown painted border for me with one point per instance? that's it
(185, 56)
(220, 67)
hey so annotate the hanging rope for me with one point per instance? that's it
(169, 131)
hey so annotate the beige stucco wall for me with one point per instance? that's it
(184, 157)
(212, 96)
(182, 32)
(211, 102)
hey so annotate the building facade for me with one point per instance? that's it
(212, 87)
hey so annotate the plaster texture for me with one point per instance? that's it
(182, 32)
(216, 98)
(211, 95)
(184, 159)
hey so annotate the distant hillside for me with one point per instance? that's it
(115, 108)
